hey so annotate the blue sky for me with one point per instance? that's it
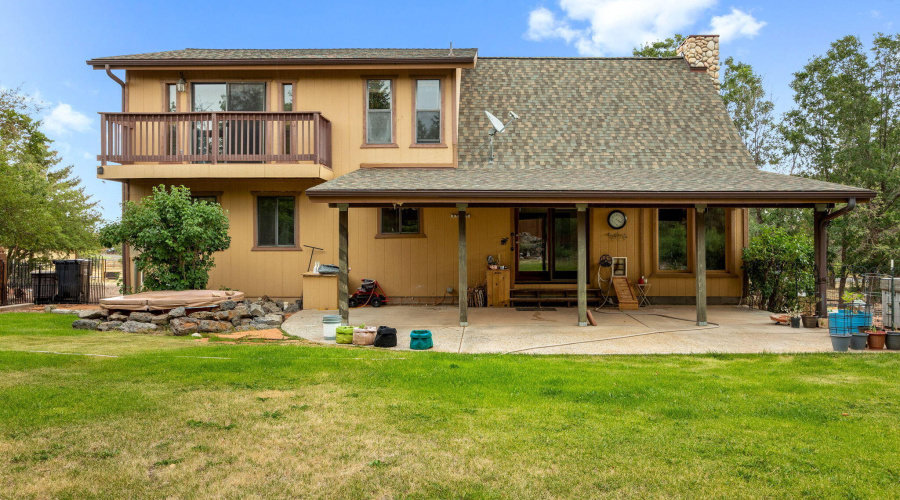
(43, 44)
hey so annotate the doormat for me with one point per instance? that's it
(535, 309)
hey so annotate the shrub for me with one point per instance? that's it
(175, 235)
(780, 268)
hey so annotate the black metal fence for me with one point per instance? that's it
(72, 281)
(873, 290)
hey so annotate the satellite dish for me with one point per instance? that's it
(495, 122)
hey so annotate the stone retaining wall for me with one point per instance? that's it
(228, 316)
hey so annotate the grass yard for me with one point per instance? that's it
(173, 418)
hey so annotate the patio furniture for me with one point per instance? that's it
(643, 300)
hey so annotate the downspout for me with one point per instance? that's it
(821, 251)
(121, 83)
(126, 188)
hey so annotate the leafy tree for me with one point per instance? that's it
(845, 128)
(659, 48)
(43, 208)
(779, 266)
(175, 236)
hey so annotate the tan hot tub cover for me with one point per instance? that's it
(160, 301)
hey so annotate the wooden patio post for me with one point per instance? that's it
(3, 279)
(820, 243)
(582, 264)
(343, 268)
(700, 263)
(463, 271)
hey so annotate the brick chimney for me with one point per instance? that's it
(702, 53)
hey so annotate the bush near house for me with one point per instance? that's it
(174, 235)
(780, 268)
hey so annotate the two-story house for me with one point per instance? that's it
(382, 160)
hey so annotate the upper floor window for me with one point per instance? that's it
(228, 97)
(379, 112)
(428, 111)
(171, 98)
(287, 96)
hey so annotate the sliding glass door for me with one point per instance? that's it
(547, 244)
(235, 137)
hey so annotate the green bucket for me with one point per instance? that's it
(343, 335)
(419, 340)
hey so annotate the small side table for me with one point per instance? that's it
(642, 289)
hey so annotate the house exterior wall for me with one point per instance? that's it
(417, 269)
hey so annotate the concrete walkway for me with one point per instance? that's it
(651, 330)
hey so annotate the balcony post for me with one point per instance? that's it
(103, 132)
(317, 138)
(214, 144)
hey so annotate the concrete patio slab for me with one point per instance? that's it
(650, 330)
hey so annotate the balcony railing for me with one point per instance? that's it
(207, 137)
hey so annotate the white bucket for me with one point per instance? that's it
(329, 323)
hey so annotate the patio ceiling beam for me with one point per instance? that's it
(463, 269)
(700, 263)
(582, 264)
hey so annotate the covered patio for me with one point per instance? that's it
(650, 330)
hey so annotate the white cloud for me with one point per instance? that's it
(735, 25)
(63, 120)
(614, 27)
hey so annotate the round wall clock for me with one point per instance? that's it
(617, 219)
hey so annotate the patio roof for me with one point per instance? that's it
(592, 130)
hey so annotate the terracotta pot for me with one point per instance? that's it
(810, 321)
(876, 340)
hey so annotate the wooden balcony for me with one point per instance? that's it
(212, 138)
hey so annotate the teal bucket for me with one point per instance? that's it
(420, 340)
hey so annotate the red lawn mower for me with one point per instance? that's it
(369, 293)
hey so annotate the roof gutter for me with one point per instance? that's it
(99, 63)
(120, 82)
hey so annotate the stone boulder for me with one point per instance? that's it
(240, 321)
(240, 311)
(140, 317)
(267, 321)
(257, 311)
(211, 326)
(291, 307)
(117, 316)
(227, 305)
(225, 315)
(271, 307)
(85, 324)
(109, 325)
(178, 312)
(203, 315)
(184, 325)
(138, 327)
(93, 314)
(160, 320)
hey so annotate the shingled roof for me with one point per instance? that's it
(286, 56)
(596, 127)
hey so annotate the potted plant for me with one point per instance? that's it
(840, 341)
(876, 339)
(810, 320)
(794, 313)
(892, 339)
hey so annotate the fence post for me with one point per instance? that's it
(4, 288)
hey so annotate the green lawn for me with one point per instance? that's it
(173, 418)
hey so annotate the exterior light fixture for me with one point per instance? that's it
(181, 83)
